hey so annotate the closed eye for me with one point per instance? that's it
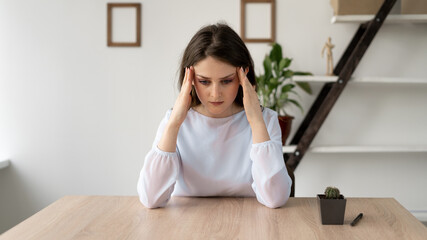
(207, 82)
(204, 82)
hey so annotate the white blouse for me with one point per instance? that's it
(216, 157)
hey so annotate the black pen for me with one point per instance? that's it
(356, 219)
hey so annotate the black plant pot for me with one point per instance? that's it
(332, 211)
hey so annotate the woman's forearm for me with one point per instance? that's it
(259, 132)
(167, 142)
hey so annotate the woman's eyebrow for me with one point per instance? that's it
(228, 76)
(201, 76)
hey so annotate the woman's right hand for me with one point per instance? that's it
(183, 102)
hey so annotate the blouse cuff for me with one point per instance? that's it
(262, 144)
(163, 153)
(267, 157)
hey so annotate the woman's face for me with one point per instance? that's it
(216, 85)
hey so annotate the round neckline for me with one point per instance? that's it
(220, 118)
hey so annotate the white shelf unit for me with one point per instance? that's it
(392, 18)
(4, 163)
(372, 149)
(324, 79)
(360, 149)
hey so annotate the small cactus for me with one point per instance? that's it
(332, 193)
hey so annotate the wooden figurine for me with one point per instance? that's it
(330, 63)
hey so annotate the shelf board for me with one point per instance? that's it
(359, 80)
(318, 78)
(289, 148)
(392, 18)
(388, 80)
(360, 149)
(4, 163)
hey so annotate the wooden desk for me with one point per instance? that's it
(107, 217)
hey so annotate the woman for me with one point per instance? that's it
(217, 140)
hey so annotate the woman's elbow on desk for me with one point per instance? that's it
(147, 200)
(150, 203)
(277, 203)
(276, 195)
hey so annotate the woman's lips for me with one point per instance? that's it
(216, 103)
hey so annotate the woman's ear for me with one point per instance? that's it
(246, 70)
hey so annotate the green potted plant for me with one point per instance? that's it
(332, 206)
(276, 87)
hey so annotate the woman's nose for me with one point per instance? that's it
(216, 91)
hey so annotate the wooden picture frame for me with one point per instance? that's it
(244, 27)
(110, 25)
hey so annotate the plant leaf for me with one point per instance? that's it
(267, 67)
(284, 63)
(276, 53)
(295, 93)
(305, 86)
(287, 88)
(274, 81)
(268, 92)
(296, 104)
(276, 71)
(302, 73)
(260, 80)
(282, 100)
(288, 73)
(283, 97)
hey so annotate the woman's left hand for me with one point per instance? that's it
(253, 109)
(250, 98)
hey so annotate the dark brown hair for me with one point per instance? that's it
(222, 43)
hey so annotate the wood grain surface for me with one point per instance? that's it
(121, 217)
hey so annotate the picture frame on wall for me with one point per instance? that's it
(258, 21)
(123, 24)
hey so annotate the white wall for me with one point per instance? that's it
(77, 117)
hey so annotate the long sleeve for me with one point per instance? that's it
(216, 157)
(159, 173)
(272, 184)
